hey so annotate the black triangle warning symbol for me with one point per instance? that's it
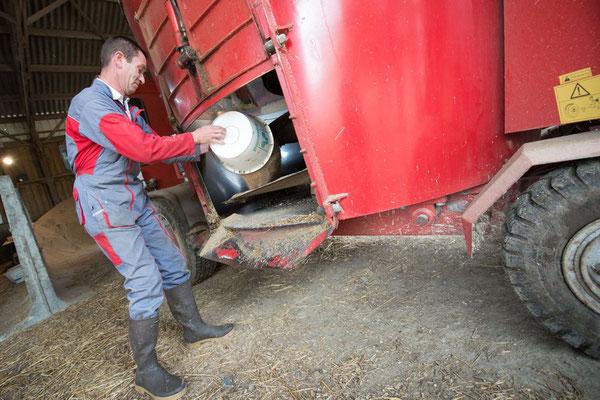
(579, 91)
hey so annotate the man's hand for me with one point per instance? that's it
(209, 134)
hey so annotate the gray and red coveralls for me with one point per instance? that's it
(105, 148)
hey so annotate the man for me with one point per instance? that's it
(106, 142)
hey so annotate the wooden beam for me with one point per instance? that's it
(7, 97)
(64, 68)
(22, 31)
(11, 120)
(17, 56)
(62, 33)
(88, 20)
(37, 117)
(25, 134)
(8, 17)
(52, 96)
(53, 68)
(20, 55)
(7, 68)
(65, 34)
(55, 129)
(42, 117)
(59, 139)
(8, 135)
(46, 10)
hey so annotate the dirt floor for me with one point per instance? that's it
(362, 318)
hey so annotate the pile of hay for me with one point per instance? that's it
(66, 246)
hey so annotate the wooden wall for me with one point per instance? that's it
(27, 176)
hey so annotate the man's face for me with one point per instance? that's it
(132, 73)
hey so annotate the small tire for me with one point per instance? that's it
(543, 226)
(175, 223)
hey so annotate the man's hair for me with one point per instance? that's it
(119, 43)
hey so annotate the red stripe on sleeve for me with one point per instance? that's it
(132, 142)
(104, 244)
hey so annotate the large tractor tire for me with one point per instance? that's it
(177, 227)
(551, 249)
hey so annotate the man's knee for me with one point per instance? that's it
(144, 305)
(175, 278)
(145, 295)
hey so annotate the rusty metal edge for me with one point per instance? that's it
(565, 148)
(291, 180)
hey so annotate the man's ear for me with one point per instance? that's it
(118, 58)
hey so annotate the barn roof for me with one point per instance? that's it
(49, 51)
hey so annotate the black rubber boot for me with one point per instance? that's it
(183, 306)
(150, 377)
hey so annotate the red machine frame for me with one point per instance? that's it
(405, 117)
(435, 141)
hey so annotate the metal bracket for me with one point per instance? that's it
(283, 28)
(44, 301)
(560, 149)
(195, 177)
(280, 39)
(187, 58)
(332, 203)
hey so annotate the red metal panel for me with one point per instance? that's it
(400, 222)
(446, 221)
(165, 174)
(396, 102)
(543, 40)
(161, 44)
(219, 67)
(226, 37)
(199, 17)
(232, 85)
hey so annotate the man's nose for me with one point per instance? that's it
(142, 78)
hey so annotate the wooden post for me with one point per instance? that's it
(25, 72)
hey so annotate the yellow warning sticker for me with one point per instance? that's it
(579, 100)
(575, 76)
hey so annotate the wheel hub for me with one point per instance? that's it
(581, 265)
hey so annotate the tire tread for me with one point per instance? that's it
(534, 212)
(200, 268)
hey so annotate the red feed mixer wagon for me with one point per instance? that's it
(394, 118)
